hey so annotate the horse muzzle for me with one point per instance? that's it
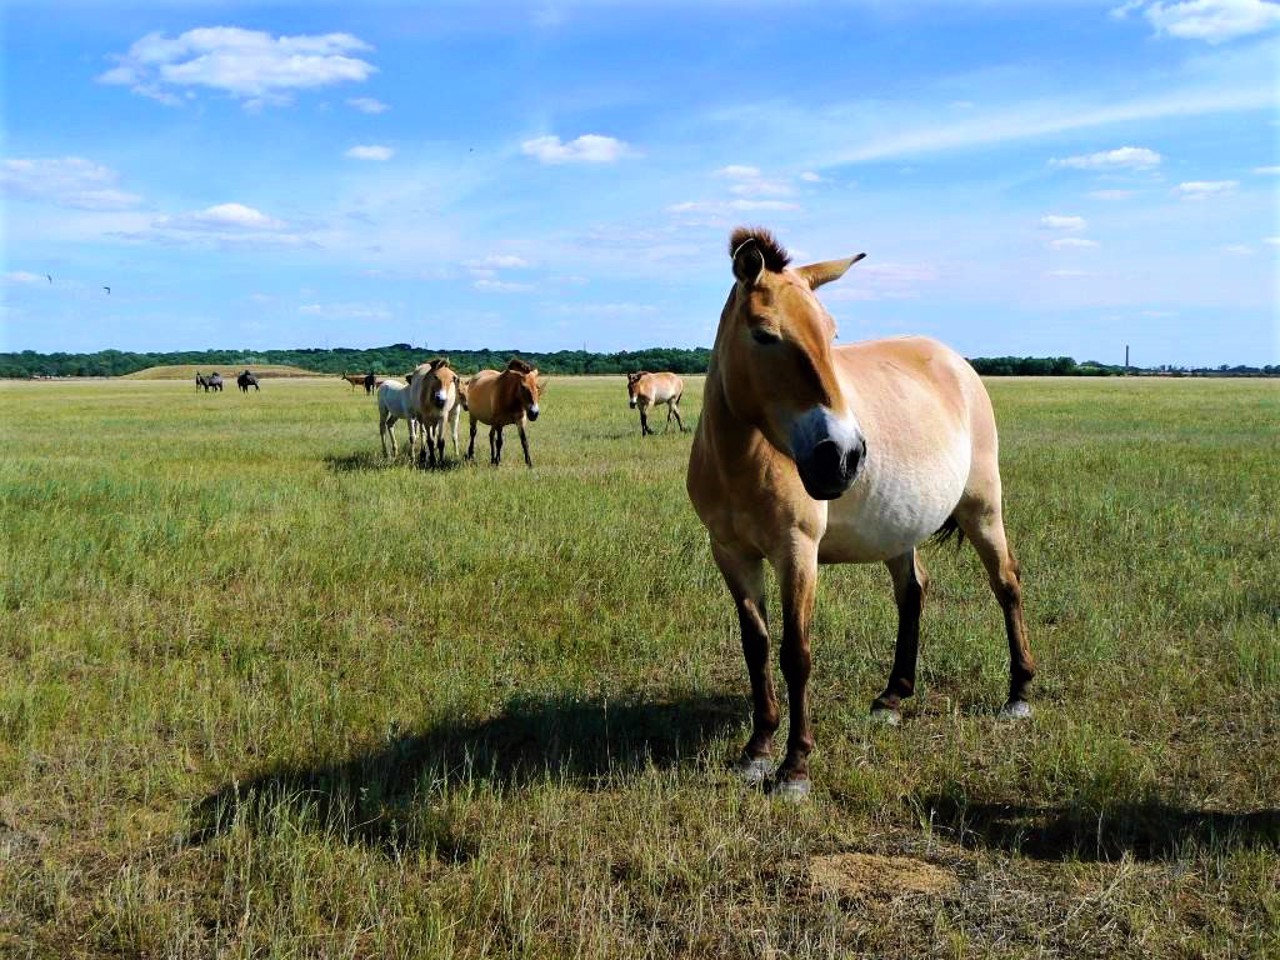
(440, 399)
(532, 412)
(633, 404)
(828, 454)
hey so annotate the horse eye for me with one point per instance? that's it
(764, 337)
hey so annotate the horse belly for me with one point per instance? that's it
(886, 513)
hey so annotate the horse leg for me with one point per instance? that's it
(910, 582)
(797, 573)
(675, 409)
(471, 446)
(983, 524)
(644, 424)
(439, 437)
(524, 443)
(383, 430)
(667, 428)
(744, 576)
(497, 450)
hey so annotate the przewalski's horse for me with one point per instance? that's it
(213, 382)
(647, 390)
(246, 380)
(501, 399)
(394, 404)
(202, 382)
(366, 380)
(807, 453)
(434, 389)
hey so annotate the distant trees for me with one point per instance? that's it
(401, 357)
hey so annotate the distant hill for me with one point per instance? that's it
(187, 371)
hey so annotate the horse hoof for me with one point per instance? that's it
(792, 791)
(753, 772)
(886, 715)
(1016, 710)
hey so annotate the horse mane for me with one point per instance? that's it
(519, 366)
(439, 362)
(775, 254)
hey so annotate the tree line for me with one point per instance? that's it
(401, 357)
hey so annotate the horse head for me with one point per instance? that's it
(774, 361)
(633, 386)
(443, 385)
(528, 386)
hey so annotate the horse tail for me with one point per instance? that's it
(949, 529)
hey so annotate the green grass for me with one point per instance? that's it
(188, 371)
(263, 694)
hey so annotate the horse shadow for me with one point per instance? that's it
(1144, 830)
(382, 797)
(366, 461)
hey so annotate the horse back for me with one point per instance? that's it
(493, 398)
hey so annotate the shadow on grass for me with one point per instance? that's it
(383, 797)
(1144, 830)
(372, 461)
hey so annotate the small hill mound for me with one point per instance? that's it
(187, 371)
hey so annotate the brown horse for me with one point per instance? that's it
(808, 453)
(434, 400)
(646, 390)
(501, 399)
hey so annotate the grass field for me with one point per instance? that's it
(264, 695)
(188, 371)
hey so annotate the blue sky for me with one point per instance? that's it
(1028, 178)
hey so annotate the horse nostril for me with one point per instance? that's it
(854, 458)
(827, 460)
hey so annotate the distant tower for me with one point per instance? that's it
(1126, 357)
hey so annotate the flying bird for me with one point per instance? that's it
(108, 289)
(50, 276)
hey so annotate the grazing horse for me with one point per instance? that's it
(807, 453)
(213, 382)
(366, 380)
(501, 399)
(647, 390)
(434, 390)
(393, 405)
(246, 380)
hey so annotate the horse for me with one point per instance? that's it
(393, 405)
(434, 400)
(246, 380)
(501, 399)
(366, 380)
(646, 390)
(201, 382)
(213, 382)
(807, 453)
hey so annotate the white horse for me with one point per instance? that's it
(393, 405)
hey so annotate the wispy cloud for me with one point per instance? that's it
(1214, 21)
(497, 261)
(1055, 221)
(24, 278)
(751, 182)
(1206, 189)
(347, 311)
(66, 182)
(251, 65)
(1267, 171)
(1122, 158)
(370, 152)
(588, 148)
(1068, 243)
(367, 105)
(488, 285)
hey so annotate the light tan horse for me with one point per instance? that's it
(645, 390)
(807, 453)
(502, 399)
(434, 399)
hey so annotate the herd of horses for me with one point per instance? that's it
(805, 453)
(213, 382)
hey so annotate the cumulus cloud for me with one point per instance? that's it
(367, 105)
(1214, 21)
(1054, 221)
(250, 65)
(223, 216)
(1067, 243)
(370, 152)
(67, 182)
(588, 148)
(1122, 158)
(1206, 189)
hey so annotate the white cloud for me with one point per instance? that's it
(1239, 250)
(810, 177)
(732, 206)
(1214, 21)
(224, 216)
(502, 286)
(1122, 158)
(750, 182)
(1066, 243)
(1111, 194)
(367, 105)
(1267, 171)
(248, 64)
(23, 277)
(346, 311)
(1272, 241)
(588, 148)
(1205, 189)
(1056, 222)
(370, 152)
(739, 172)
(67, 182)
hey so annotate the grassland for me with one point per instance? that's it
(265, 695)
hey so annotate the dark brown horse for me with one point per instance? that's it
(502, 399)
(807, 453)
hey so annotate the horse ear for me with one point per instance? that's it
(816, 274)
(748, 262)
